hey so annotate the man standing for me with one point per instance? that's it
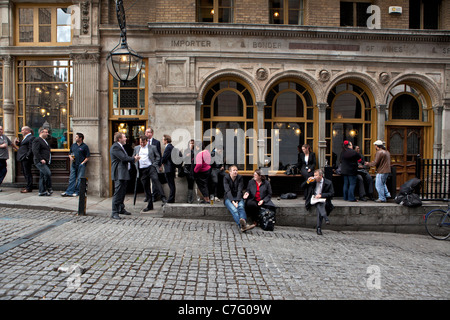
(120, 166)
(382, 164)
(169, 167)
(42, 159)
(4, 154)
(153, 142)
(147, 169)
(319, 192)
(79, 154)
(25, 156)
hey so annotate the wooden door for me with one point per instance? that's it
(404, 144)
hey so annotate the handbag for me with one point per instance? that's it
(267, 219)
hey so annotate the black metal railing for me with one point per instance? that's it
(435, 178)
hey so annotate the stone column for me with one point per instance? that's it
(322, 150)
(437, 146)
(198, 121)
(261, 141)
(85, 111)
(9, 120)
(445, 152)
(381, 121)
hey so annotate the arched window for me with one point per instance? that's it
(406, 103)
(348, 117)
(228, 110)
(289, 117)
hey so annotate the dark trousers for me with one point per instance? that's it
(202, 180)
(120, 190)
(45, 177)
(252, 209)
(170, 177)
(321, 213)
(26, 170)
(144, 176)
(150, 174)
(3, 170)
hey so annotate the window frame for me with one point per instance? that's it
(1, 93)
(215, 8)
(53, 26)
(310, 131)
(115, 85)
(285, 16)
(21, 116)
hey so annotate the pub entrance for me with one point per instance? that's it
(404, 143)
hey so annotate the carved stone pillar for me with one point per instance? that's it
(198, 121)
(8, 98)
(381, 121)
(322, 150)
(437, 147)
(8, 112)
(85, 111)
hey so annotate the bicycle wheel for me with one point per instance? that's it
(437, 223)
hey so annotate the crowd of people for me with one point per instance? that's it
(202, 167)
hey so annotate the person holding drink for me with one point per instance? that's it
(319, 192)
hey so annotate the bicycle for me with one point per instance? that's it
(437, 223)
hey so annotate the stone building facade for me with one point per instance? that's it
(283, 76)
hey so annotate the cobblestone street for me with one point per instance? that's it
(56, 255)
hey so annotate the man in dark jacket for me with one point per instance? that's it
(42, 159)
(319, 192)
(25, 156)
(120, 166)
(169, 167)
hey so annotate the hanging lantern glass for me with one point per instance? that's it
(123, 63)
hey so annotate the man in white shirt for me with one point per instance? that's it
(147, 169)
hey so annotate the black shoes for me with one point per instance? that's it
(319, 231)
(125, 213)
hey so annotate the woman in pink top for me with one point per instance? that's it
(202, 171)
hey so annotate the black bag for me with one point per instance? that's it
(288, 195)
(408, 193)
(267, 219)
(412, 200)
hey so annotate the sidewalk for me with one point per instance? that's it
(98, 206)
(347, 216)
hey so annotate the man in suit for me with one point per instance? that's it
(25, 156)
(152, 141)
(120, 166)
(169, 167)
(147, 169)
(42, 159)
(320, 188)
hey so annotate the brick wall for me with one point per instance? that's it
(317, 12)
(252, 11)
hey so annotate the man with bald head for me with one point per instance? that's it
(25, 157)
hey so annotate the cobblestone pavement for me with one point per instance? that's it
(57, 255)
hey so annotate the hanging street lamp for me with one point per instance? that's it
(123, 63)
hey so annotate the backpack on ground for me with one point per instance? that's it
(408, 193)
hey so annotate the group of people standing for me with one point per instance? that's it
(36, 150)
(200, 166)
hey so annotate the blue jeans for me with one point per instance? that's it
(237, 213)
(45, 177)
(76, 173)
(380, 185)
(349, 188)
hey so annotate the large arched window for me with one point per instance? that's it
(348, 117)
(228, 111)
(289, 120)
(406, 102)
